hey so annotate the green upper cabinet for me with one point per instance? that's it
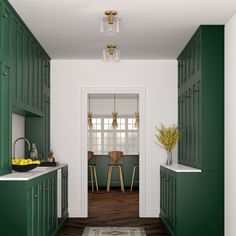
(201, 100)
(5, 31)
(25, 83)
(20, 49)
(5, 118)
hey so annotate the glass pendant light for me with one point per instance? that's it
(90, 116)
(111, 54)
(110, 24)
(114, 115)
(136, 115)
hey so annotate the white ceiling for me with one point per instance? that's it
(152, 29)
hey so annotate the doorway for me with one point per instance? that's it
(99, 149)
(113, 155)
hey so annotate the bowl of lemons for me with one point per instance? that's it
(23, 164)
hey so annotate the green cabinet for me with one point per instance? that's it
(189, 203)
(193, 203)
(5, 31)
(5, 118)
(28, 80)
(201, 100)
(29, 207)
(20, 49)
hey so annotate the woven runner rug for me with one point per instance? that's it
(114, 231)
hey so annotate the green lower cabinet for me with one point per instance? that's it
(191, 203)
(29, 207)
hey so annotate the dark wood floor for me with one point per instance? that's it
(113, 209)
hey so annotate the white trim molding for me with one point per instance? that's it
(108, 89)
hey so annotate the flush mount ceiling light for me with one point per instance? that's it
(110, 24)
(111, 53)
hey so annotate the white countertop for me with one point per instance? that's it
(181, 168)
(19, 176)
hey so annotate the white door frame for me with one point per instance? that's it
(142, 142)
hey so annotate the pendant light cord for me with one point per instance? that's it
(137, 103)
(114, 103)
(89, 103)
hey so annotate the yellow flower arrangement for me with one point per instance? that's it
(167, 137)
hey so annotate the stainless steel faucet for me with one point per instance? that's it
(14, 145)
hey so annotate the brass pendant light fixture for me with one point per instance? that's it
(111, 53)
(114, 115)
(110, 24)
(90, 115)
(136, 114)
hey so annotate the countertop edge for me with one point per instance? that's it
(182, 168)
(35, 173)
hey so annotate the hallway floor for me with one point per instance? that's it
(113, 209)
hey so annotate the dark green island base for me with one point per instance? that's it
(102, 162)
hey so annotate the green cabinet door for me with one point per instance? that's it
(35, 210)
(14, 59)
(5, 118)
(26, 81)
(64, 193)
(53, 203)
(5, 32)
(46, 206)
(19, 66)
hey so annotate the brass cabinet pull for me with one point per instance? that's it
(4, 73)
(36, 195)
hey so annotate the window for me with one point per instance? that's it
(102, 138)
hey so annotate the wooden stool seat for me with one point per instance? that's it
(133, 175)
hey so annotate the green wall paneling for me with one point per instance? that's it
(102, 161)
(5, 118)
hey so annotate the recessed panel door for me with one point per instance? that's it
(5, 118)
(19, 66)
(26, 69)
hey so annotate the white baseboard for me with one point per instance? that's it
(75, 213)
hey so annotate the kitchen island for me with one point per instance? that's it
(102, 162)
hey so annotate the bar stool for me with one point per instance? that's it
(133, 175)
(115, 156)
(93, 172)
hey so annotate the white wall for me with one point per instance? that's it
(230, 126)
(18, 130)
(159, 77)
